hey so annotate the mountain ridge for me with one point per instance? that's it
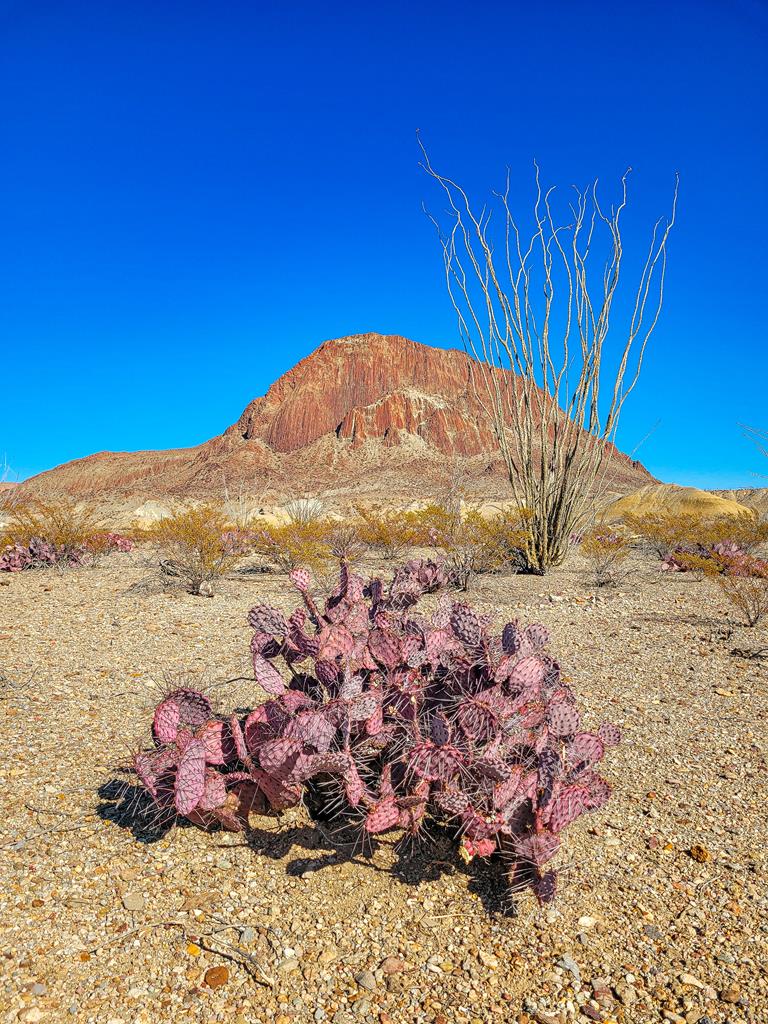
(361, 414)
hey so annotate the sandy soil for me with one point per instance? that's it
(104, 920)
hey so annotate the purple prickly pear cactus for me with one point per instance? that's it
(393, 719)
(182, 709)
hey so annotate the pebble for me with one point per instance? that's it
(366, 979)
(732, 994)
(688, 979)
(288, 964)
(133, 901)
(570, 965)
(393, 965)
(625, 993)
(215, 977)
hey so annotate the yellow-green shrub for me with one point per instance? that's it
(196, 540)
(62, 522)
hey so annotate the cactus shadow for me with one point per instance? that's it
(131, 807)
(434, 856)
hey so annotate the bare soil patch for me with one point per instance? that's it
(661, 912)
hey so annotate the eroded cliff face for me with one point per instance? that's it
(369, 386)
(365, 414)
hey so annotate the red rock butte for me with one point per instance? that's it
(369, 415)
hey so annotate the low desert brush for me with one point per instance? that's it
(389, 533)
(744, 582)
(472, 543)
(288, 545)
(197, 542)
(669, 534)
(62, 523)
(41, 534)
(606, 551)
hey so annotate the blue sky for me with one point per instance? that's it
(193, 196)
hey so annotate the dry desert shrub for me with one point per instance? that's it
(387, 532)
(198, 545)
(296, 543)
(473, 543)
(684, 542)
(744, 582)
(663, 532)
(64, 523)
(606, 551)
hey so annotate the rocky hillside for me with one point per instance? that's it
(752, 497)
(370, 415)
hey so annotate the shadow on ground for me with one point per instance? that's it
(425, 858)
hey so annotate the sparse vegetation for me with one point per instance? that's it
(42, 534)
(291, 544)
(387, 532)
(687, 543)
(65, 524)
(473, 543)
(744, 582)
(606, 551)
(197, 542)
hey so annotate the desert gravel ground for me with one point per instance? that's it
(661, 913)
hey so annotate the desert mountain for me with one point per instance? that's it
(371, 416)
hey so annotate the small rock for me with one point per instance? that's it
(625, 993)
(366, 980)
(570, 965)
(31, 1015)
(587, 922)
(487, 959)
(215, 977)
(732, 994)
(393, 965)
(700, 853)
(133, 901)
(328, 955)
(288, 964)
(688, 979)
(652, 931)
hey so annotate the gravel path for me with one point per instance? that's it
(661, 913)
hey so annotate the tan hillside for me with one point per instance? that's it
(671, 499)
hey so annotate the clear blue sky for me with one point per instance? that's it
(195, 195)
